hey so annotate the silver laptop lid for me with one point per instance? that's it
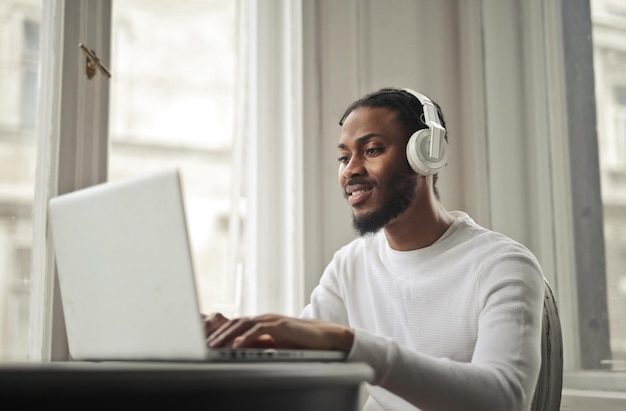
(125, 271)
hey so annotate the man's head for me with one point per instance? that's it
(374, 171)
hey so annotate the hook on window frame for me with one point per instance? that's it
(93, 63)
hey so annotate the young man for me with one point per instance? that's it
(446, 312)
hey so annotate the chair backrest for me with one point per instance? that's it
(550, 383)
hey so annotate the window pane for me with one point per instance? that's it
(19, 82)
(609, 34)
(172, 103)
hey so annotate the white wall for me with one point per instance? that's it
(356, 47)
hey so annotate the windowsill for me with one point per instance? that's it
(600, 390)
(585, 400)
(600, 381)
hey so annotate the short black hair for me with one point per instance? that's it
(406, 105)
(409, 112)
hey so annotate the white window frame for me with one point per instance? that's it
(72, 153)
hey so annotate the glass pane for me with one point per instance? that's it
(609, 36)
(19, 82)
(172, 103)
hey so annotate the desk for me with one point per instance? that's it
(260, 386)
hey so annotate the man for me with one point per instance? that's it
(446, 312)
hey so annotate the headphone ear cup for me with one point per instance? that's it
(417, 153)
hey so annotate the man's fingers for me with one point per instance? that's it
(225, 334)
(263, 341)
(212, 322)
(277, 331)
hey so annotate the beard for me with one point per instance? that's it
(400, 199)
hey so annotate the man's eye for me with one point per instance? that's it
(373, 151)
(343, 159)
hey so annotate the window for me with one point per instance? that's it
(176, 100)
(173, 103)
(161, 114)
(19, 73)
(609, 30)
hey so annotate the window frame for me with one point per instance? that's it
(72, 150)
(579, 237)
(586, 197)
(566, 218)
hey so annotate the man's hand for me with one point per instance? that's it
(212, 322)
(277, 331)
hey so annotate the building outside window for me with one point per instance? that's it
(19, 82)
(609, 37)
(30, 74)
(619, 135)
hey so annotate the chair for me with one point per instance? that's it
(550, 383)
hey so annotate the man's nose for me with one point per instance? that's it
(354, 167)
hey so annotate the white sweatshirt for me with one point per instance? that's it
(453, 326)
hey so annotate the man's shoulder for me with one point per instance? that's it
(473, 230)
(490, 243)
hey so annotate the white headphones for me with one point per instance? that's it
(427, 149)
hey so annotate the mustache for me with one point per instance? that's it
(359, 180)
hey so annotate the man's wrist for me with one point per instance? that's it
(345, 340)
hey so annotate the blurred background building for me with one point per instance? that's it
(609, 39)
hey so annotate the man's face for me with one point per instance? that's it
(374, 174)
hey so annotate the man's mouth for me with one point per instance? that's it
(357, 193)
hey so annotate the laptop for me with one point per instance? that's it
(127, 280)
